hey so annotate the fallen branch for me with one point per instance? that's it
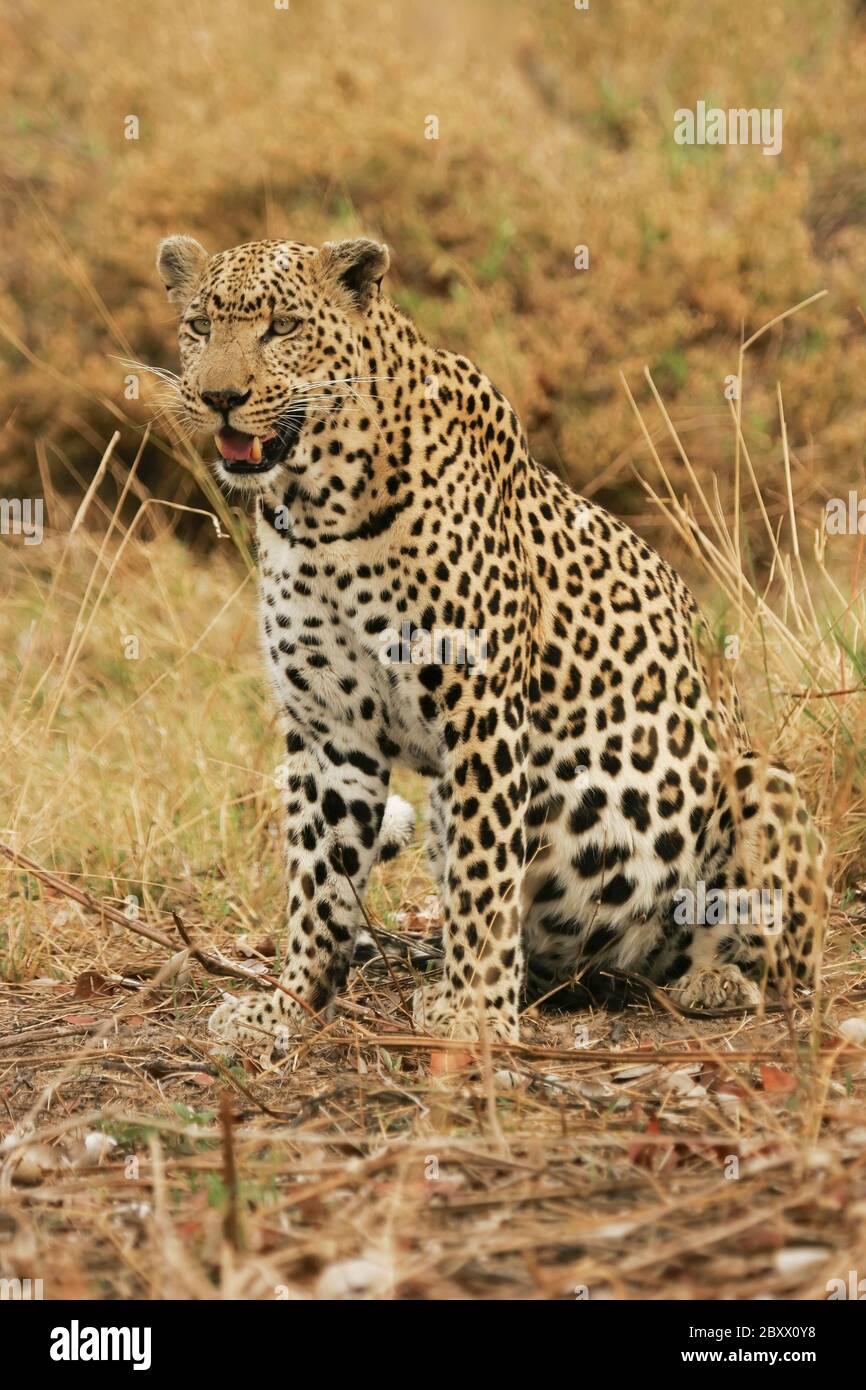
(232, 1231)
(213, 966)
(590, 1056)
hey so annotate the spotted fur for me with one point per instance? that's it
(589, 770)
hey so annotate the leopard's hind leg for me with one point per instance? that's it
(758, 913)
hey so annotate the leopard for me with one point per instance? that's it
(596, 808)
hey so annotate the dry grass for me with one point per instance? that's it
(652, 1159)
(645, 1155)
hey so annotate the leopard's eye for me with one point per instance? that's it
(283, 325)
(200, 325)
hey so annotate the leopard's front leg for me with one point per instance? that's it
(334, 803)
(484, 797)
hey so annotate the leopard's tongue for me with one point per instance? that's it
(234, 444)
(240, 447)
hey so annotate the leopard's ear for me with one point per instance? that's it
(181, 261)
(355, 268)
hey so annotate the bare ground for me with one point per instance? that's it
(637, 1156)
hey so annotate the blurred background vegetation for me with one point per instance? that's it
(555, 130)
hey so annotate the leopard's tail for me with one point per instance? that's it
(398, 827)
(395, 833)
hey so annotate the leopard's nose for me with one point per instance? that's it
(227, 400)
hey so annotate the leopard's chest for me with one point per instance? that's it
(330, 631)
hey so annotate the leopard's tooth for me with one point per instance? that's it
(217, 442)
(256, 449)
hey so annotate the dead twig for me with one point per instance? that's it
(232, 1231)
(208, 963)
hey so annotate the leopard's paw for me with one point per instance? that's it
(256, 1023)
(716, 987)
(435, 1012)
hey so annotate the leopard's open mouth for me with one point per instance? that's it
(258, 453)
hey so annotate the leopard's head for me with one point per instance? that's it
(269, 337)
